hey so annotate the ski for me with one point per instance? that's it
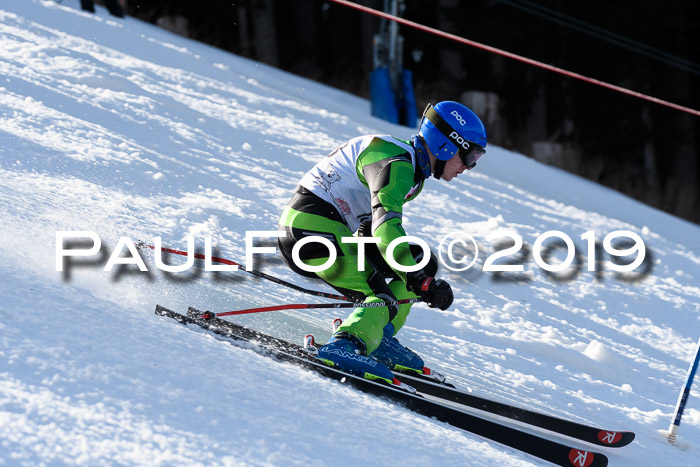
(587, 433)
(447, 391)
(552, 451)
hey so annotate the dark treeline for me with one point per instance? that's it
(643, 149)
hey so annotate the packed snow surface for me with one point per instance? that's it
(122, 129)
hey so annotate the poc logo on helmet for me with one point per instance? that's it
(459, 140)
(459, 118)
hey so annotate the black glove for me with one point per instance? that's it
(437, 292)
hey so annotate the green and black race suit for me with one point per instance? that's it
(368, 179)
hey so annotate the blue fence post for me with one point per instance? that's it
(386, 104)
(382, 96)
(390, 86)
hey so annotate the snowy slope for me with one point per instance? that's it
(123, 129)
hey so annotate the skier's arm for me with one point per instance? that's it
(389, 181)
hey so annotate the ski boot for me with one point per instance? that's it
(402, 359)
(346, 352)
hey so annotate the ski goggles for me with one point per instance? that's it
(470, 155)
(469, 152)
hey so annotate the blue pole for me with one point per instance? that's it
(683, 398)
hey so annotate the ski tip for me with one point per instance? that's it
(579, 458)
(615, 439)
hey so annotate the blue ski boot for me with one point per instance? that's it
(399, 358)
(346, 352)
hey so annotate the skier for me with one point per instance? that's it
(360, 188)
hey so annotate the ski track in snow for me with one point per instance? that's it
(123, 129)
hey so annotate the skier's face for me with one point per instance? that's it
(453, 168)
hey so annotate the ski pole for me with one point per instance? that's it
(305, 306)
(683, 398)
(274, 279)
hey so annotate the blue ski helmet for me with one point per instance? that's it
(451, 126)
